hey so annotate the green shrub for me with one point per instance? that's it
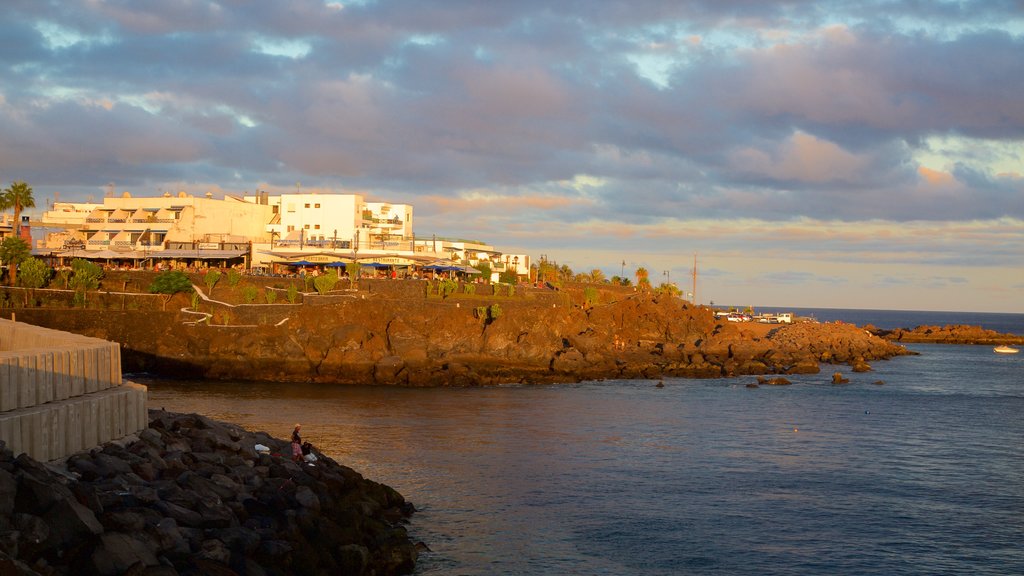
(293, 294)
(446, 287)
(270, 295)
(195, 301)
(590, 296)
(169, 283)
(469, 288)
(325, 283)
(249, 294)
(211, 279)
(234, 277)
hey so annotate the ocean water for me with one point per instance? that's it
(891, 319)
(921, 475)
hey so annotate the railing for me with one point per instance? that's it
(99, 242)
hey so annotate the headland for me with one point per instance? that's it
(407, 332)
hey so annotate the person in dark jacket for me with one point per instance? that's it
(297, 444)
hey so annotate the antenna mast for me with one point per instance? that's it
(694, 278)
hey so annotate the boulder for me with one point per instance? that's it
(117, 552)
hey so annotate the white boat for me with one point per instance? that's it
(1005, 350)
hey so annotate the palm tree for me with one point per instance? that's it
(18, 196)
(641, 278)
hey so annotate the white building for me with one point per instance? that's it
(170, 226)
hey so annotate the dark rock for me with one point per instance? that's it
(117, 552)
(8, 492)
(752, 385)
(837, 378)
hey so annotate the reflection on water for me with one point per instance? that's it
(919, 476)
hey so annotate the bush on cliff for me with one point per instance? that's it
(169, 283)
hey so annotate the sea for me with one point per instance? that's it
(915, 468)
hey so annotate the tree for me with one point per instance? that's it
(485, 271)
(169, 283)
(211, 279)
(34, 274)
(597, 276)
(17, 196)
(85, 276)
(642, 280)
(13, 251)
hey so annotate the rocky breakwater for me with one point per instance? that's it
(192, 496)
(950, 334)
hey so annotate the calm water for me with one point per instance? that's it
(891, 319)
(924, 475)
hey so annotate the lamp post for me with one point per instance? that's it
(334, 241)
(515, 266)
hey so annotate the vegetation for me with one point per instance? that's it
(13, 251)
(85, 276)
(485, 270)
(169, 283)
(669, 289)
(590, 296)
(446, 287)
(270, 295)
(17, 196)
(293, 293)
(63, 277)
(249, 294)
(325, 283)
(488, 313)
(34, 274)
(234, 277)
(469, 288)
(211, 279)
(642, 280)
(508, 277)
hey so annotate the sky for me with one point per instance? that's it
(820, 153)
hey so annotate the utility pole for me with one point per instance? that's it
(695, 278)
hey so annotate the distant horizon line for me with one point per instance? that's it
(1021, 313)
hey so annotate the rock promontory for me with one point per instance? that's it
(950, 334)
(388, 338)
(191, 496)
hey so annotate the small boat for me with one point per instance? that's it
(1005, 350)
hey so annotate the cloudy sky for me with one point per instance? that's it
(811, 153)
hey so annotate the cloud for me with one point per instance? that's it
(810, 128)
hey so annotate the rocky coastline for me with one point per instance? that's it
(950, 334)
(380, 340)
(190, 495)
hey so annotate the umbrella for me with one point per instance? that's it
(302, 263)
(374, 265)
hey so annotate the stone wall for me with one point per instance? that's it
(61, 393)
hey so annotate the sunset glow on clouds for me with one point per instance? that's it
(846, 154)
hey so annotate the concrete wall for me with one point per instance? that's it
(61, 393)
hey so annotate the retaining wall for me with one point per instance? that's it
(61, 393)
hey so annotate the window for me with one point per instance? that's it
(306, 226)
(291, 228)
(307, 204)
(291, 207)
(317, 227)
(317, 205)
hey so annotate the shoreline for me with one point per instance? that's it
(191, 495)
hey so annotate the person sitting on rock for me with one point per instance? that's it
(297, 444)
